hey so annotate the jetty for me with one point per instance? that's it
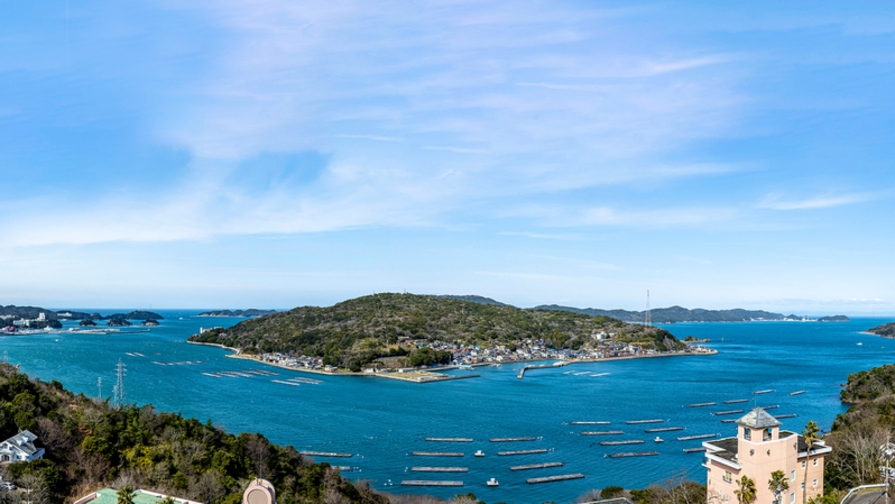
(521, 452)
(590, 423)
(624, 442)
(731, 420)
(450, 439)
(634, 422)
(633, 454)
(540, 366)
(700, 405)
(797, 392)
(788, 415)
(537, 466)
(734, 401)
(602, 433)
(766, 391)
(432, 483)
(324, 454)
(440, 469)
(550, 479)
(511, 439)
(436, 454)
(663, 429)
(698, 436)
(694, 450)
(728, 412)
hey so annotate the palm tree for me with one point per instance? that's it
(126, 495)
(746, 491)
(778, 484)
(810, 434)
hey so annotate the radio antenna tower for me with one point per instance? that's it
(118, 389)
(648, 318)
(99, 386)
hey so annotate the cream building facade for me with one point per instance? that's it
(759, 449)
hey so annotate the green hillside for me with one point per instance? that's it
(359, 330)
(885, 330)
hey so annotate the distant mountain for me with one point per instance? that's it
(677, 314)
(472, 298)
(237, 313)
(33, 312)
(834, 318)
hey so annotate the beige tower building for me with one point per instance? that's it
(759, 449)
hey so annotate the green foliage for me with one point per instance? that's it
(745, 491)
(90, 444)
(869, 385)
(612, 492)
(356, 332)
(885, 330)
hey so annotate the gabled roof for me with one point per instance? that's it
(758, 419)
(24, 442)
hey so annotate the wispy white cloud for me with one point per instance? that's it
(545, 236)
(460, 150)
(774, 202)
(377, 138)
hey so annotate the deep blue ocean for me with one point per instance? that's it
(381, 421)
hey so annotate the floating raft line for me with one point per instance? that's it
(521, 452)
(728, 412)
(325, 454)
(510, 439)
(773, 406)
(766, 391)
(440, 469)
(699, 436)
(663, 429)
(625, 442)
(797, 392)
(634, 422)
(694, 450)
(734, 401)
(788, 415)
(282, 382)
(700, 405)
(450, 439)
(550, 479)
(730, 420)
(634, 454)
(436, 454)
(432, 483)
(590, 423)
(602, 433)
(537, 466)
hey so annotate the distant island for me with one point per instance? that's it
(237, 313)
(677, 314)
(37, 313)
(834, 318)
(885, 330)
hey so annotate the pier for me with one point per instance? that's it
(450, 439)
(521, 452)
(602, 433)
(432, 483)
(700, 405)
(541, 366)
(590, 423)
(545, 465)
(325, 454)
(633, 454)
(440, 469)
(625, 442)
(634, 422)
(550, 479)
(698, 436)
(436, 454)
(663, 429)
(734, 401)
(728, 412)
(511, 439)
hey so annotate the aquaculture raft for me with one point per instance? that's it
(601, 433)
(634, 454)
(700, 405)
(633, 422)
(509, 439)
(537, 466)
(521, 452)
(699, 436)
(431, 483)
(617, 443)
(450, 439)
(590, 423)
(325, 454)
(734, 401)
(663, 429)
(694, 450)
(550, 479)
(440, 469)
(436, 454)
(728, 412)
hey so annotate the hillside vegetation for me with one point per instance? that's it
(359, 330)
(885, 330)
(91, 445)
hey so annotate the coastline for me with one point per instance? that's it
(433, 375)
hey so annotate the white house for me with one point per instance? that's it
(20, 448)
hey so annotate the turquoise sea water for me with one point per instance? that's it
(381, 421)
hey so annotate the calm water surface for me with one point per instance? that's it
(381, 421)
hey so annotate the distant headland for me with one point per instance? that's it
(885, 330)
(237, 313)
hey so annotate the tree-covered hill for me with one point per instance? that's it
(362, 329)
(90, 445)
(885, 330)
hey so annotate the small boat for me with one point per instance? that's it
(479, 453)
(492, 482)
(465, 367)
(659, 440)
(860, 344)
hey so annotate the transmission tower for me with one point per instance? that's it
(648, 318)
(5, 357)
(99, 386)
(118, 390)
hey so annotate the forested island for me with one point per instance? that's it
(35, 312)
(677, 314)
(355, 332)
(236, 313)
(885, 330)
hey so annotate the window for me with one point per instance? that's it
(793, 476)
(767, 435)
(803, 486)
(804, 463)
(815, 462)
(747, 434)
(792, 498)
(814, 484)
(728, 477)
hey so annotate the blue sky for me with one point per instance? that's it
(281, 153)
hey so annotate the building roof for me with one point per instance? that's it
(758, 419)
(110, 496)
(24, 442)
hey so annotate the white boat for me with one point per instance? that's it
(479, 453)
(465, 367)
(860, 344)
(659, 440)
(492, 482)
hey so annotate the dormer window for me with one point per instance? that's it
(747, 434)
